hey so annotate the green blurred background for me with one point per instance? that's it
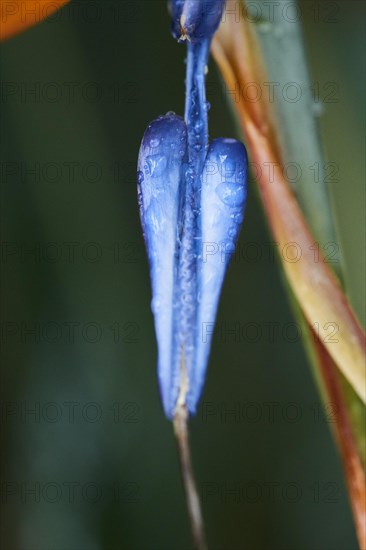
(89, 461)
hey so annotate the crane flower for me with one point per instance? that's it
(192, 197)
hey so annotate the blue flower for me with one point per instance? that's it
(184, 321)
(192, 197)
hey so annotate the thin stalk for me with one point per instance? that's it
(331, 386)
(353, 468)
(180, 423)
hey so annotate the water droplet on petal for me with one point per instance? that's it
(154, 142)
(198, 125)
(155, 165)
(140, 177)
(238, 217)
(229, 167)
(231, 194)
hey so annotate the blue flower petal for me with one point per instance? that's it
(161, 167)
(223, 198)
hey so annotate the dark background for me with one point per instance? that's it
(80, 404)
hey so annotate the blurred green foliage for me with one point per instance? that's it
(100, 75)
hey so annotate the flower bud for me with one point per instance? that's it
(195, 20)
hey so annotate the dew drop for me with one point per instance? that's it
(230, 165)
(198, 125)
(238, 217)
(155, 165)
(140, 177)
(154, 142)
(231, 194)
(140, 199)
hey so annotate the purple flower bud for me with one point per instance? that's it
(192, 199)
(187, 273)
(195, 20)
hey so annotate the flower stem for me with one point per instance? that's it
(196, 120)
(180, 423)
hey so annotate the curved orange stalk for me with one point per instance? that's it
(317, 290)
(354, 473)
(18, 15)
